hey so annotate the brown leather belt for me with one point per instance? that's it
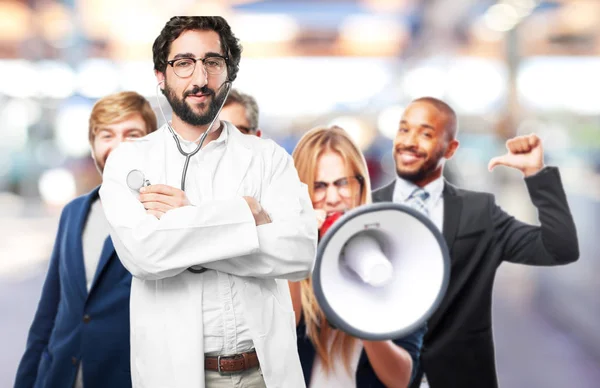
(231, 364)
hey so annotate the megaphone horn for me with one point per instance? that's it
(381, 270)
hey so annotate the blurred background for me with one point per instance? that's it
(508, 67)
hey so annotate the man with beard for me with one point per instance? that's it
(458, 349)
(207, 304)
(80, 333)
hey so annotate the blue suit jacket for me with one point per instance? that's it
(72, 326)
(365, 375)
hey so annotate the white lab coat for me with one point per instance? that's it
(166, 299)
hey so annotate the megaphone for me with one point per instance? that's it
(381, 271)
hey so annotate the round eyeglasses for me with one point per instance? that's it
(347, 188)
(184, 67)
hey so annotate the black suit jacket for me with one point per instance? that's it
(458, 349)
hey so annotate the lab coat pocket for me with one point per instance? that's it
(283, 300)
(266, 310)
(259, 310)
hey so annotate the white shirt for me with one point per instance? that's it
(225, 328)
(435, 203)
(95, 233)
(338, 375)
(219, 233)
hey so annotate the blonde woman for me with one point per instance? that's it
(336, 173)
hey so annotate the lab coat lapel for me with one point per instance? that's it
(156, 166)
(233, 166)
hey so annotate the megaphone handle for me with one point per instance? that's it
(329, 220)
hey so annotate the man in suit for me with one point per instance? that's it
(458, 349)
(241, 110)
(80, 333)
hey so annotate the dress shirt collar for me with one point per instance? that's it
(221, 139)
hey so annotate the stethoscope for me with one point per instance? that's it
(188, 155)
(136, 179)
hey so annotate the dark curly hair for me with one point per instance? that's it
(178, 24)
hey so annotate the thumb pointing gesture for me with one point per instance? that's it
(524, 153)
(508, 160)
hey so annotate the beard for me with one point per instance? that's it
(185, 112)
(429, 166)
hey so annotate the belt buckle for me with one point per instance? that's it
(223, 373)
(199, 270)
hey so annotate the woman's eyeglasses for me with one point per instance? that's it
(347, 187)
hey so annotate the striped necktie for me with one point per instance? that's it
(417, 201)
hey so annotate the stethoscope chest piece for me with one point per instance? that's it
(136, 180)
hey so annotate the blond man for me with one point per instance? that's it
(80, 333)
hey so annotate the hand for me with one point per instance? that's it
(525, 153)
(260, 215)
(159, 199)
(321, 216)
